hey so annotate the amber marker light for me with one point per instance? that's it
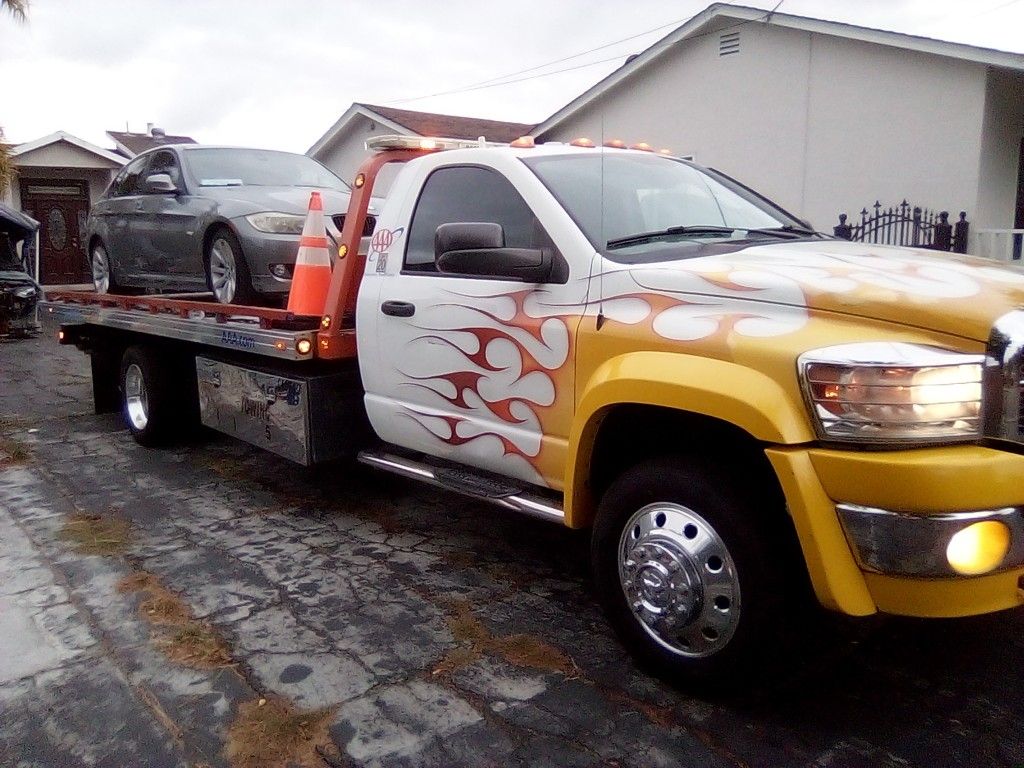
(523, 142)
(60, 335)
(324, 343)
(616, 144)
(979, 548)
(342, 251)
(582, 142)
(664, 151)
(325, 322)
(428, 144)
(643, 146)
(303, 346)
(280, 346)
(360, 180)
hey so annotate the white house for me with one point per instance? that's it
(343, 147)
(823, 117)
(58, 178)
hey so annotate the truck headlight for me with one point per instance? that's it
(277, 223)
(881, 392)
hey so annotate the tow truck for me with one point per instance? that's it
(749, 416)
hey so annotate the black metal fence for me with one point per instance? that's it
(906, 225)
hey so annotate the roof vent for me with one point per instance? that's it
(728, 43)
(157, 133)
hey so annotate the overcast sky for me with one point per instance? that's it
(278, 75)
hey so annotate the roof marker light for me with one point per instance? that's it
(664, 151)
(523, 142)
(615, 144)
(582, 142)
(643, 146)
(360, 180)
(428, 143)
(424, 143)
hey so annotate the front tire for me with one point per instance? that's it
(227, 272)
(694, 571)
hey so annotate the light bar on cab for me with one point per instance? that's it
(426, 143)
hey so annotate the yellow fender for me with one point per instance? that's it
(733, 393)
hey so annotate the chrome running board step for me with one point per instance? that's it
(500, 492)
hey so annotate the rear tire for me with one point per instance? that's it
(158, 397)
(227, 272)
(695, 574)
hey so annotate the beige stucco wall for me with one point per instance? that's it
(818, 123)
(347, 151)
(62, 160)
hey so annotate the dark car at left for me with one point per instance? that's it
(200, 218)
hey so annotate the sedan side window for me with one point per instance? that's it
(470, 194)
(128, 181)
(166, 162)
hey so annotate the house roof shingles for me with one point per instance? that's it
(452, 126)
(140, 142)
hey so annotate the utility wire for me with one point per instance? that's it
(656, 47)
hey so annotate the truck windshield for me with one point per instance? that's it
(228, 167)
(631, 206)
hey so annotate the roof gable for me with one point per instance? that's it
(412, 123)
(742, 15)
(23, 150)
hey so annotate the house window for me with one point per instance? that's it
(728, 43)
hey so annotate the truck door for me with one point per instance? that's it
(475, 369)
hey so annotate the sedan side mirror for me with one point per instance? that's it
(478, 249)
(160, 184)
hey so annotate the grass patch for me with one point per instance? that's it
(183, 638)
(474, 640)
(13, 451)
(274, 733)
(96, 534)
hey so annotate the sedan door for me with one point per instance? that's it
(116, 212)
(166, 228)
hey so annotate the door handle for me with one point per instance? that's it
(398, 308)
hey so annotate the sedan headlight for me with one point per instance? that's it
(878, 392)
(277, 223)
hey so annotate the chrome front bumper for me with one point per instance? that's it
(902, 544)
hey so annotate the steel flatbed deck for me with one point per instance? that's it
(263, 331)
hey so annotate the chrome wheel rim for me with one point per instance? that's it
(100, 269)
(679, 580)
(135, 398)
(223, 271)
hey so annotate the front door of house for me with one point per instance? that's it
(61, 207)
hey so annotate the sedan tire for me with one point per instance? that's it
(227, 272)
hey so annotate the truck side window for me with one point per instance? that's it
(469, 193)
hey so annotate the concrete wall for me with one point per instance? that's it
(818, 123)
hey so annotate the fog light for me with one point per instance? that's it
(280, 270)
(979, 548)
(303, 346)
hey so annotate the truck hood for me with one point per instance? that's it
(241, 201)
(948, 293)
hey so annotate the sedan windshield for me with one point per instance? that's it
(630, 205)
(217, 167)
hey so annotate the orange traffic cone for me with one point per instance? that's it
(312, 277)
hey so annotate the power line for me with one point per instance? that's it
(658, 46)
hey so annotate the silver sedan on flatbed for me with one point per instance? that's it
(193, 218)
